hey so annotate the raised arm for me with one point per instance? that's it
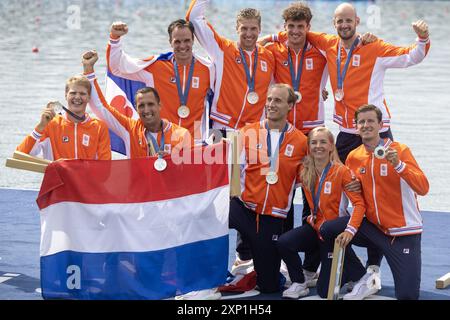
(401, 57)
(209, 39)
(121, 64)
(117, 122)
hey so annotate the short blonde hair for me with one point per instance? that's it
(79, 80)
(248, 13)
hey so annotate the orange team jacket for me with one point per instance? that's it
(132, 131)
(257, 194)
(331, 199)
(230, 108)
(158, 72)
(309, 112)
(390, 193)
(364, 81)
(64, 139)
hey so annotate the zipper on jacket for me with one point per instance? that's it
(373, 189)
(265, 199)
(250, 67)
(76, 141)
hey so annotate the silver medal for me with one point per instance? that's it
(299, 96)
(380, 152)
(160, 164)
(252, 97)
(183, 112)
(57, 107)
(339, 94)
(272, 177)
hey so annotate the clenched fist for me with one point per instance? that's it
(119, 29)
(421, 29)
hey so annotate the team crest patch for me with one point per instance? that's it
(263, 66)
(168, 148)
(309, 64)
(85, 141)
(362, 170)
(327, 187)
(289, 150)
(238, 60)
(383, 170)
(286, 63)
(195, 82)
(172, 80)
(356, 60)
(65, 139)
(406, 251)
(259, 146)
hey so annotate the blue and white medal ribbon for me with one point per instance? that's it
(183, 110)
(339, 93)
(272, 176)
(160, 164)
(316, 196)
(252, 96)
(296, 79)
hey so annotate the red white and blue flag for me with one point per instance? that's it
(120, 94)
(131, 232)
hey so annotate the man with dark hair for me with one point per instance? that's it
(183, 79)
(391, 179)
(304, 67)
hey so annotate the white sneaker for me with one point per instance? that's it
(374, 269)
(310, 278)
(207, 294)
(369, 284)
(242, 267)
(296, 290)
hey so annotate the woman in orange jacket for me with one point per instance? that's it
(324, 178)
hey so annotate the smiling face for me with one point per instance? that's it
(148, 109)
(277, 104)
(182, 41)
(248, 31)
(296, 32)
(320, 145)
(368, 126)
(345, 21)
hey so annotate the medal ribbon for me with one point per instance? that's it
(154, 142)
(341, 77)
(250, 79)
(316, 197)
(273, 158)
(296, 79)
(183, 96)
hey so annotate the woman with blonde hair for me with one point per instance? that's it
(324, 178)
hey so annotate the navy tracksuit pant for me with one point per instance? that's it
(262, 237)
(403, 255)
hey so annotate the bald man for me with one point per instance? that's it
(357, 77)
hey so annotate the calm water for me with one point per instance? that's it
(419, 97)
